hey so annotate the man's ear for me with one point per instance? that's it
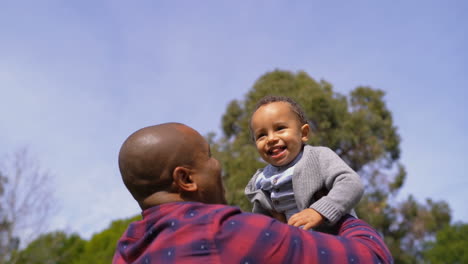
(183, 179)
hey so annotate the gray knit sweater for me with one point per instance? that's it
(320, 170)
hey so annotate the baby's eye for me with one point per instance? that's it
(259, 136)
(280, 128)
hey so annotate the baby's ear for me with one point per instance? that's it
(183, 179)
(305, 130)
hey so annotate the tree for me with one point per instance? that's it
(56, 247)
(101, 247)
(409, 225)
(6, 242)
(360, 129)
(26, 201)
(450, 245)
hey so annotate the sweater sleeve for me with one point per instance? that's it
(344, 185)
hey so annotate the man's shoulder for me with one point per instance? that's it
(221, 213)
(194, 206)
(221, 218)
(188, 210)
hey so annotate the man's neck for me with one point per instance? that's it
(160, 198)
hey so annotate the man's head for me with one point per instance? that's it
(279, 128)
(167, 163)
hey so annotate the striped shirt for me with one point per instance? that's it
(277, 182)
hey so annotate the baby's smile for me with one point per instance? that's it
(276, 151)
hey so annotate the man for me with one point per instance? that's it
(169, 171)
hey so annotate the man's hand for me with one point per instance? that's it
(308, 218)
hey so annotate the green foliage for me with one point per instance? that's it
(408, 225)
(450, 245)
(4, 224)
(360, 129)
(8, 243)
(229, 122)
(101, 247)
(56, 247)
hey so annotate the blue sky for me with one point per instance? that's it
(76, 78)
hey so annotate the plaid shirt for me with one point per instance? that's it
(189, 232)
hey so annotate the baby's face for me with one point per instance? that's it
(278, 133)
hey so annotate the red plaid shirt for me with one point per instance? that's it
(187, 232)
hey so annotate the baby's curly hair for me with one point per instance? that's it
(297, 109)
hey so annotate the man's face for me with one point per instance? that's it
(278, 133)
(208, 174)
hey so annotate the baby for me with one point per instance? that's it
(302, 185)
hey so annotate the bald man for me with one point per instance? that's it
(169, 171)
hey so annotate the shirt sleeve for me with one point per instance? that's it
(117, 259)
(344, 185)
(252, 238)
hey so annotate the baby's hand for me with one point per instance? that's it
(308, 218)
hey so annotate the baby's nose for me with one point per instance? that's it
(272, 137)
